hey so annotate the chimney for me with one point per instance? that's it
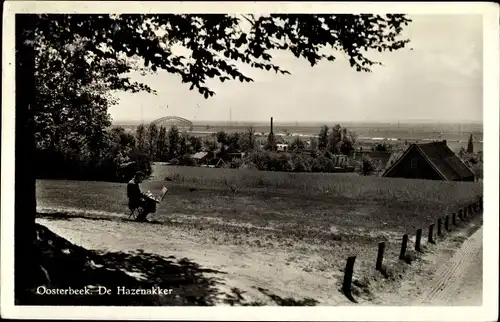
(271, 125)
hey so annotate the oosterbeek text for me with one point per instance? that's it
(102, 290)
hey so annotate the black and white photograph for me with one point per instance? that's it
(265, 154)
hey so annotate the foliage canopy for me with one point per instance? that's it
(215, 41)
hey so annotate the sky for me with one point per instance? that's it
(440, 80)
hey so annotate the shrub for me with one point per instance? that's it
(289, 162)
(186, 160)
(322, 164)
(381, 147)
(236, 163)
(368, 166)
(302, 163)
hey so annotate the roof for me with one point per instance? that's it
(199, 155)
(442, 159)
(446, 162)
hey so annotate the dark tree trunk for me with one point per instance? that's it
(25, 181)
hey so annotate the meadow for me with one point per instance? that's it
(421, 194)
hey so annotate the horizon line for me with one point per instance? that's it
(235, 122)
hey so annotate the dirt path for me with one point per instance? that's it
(449, 275)
(249, 274)
(460, 280)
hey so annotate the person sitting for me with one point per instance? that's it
(137, 198)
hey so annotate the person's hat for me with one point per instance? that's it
(139, 173)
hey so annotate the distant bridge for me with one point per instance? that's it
(169, 121)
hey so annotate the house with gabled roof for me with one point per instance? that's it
(433, 161)
(201, 157)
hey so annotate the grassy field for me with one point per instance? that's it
(279, 200)
(328, 187)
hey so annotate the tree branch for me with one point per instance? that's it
(248, 19)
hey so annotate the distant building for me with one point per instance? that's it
(433, 161)
(282, 147)
(340, 160)
(201, 157)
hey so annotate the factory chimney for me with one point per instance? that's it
(271, 126)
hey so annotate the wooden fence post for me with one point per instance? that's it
(349, 269)
(380, 256)
(440, 224)
(417, 241)
(454, 219)
(430, 238)
(403, 246)
(447, 223)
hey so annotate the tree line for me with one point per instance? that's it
(98, 152)
(318, 157)
(161, 144)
